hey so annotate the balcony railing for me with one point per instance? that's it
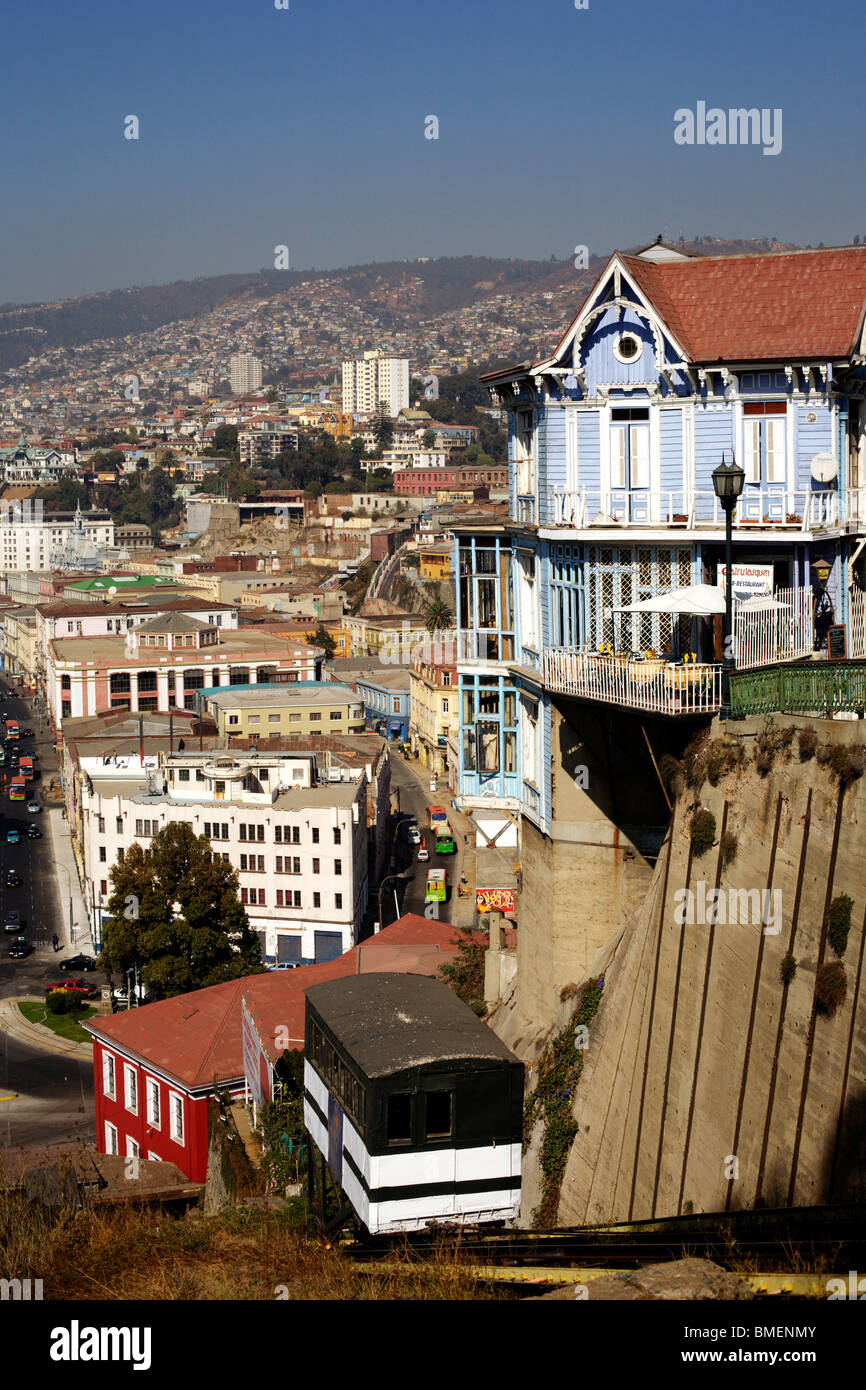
(785, 508)
(816, 687)
(650, 684)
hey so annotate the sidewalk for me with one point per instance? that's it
(66, 879)
(13, 1022)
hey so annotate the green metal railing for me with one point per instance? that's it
(815, 687)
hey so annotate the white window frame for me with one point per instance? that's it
(175, 1129)
(109, 1076)
(153, 1111)
(130, 1089)
(110, 1138)
(132, 1147)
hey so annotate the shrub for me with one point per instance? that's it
(63, 1001)
(830, 988)
(824, 754)
(722, 757)
(788, 969)
(839, 923)
(769, 742)
(464, 973)
(568, 992)
(672, 774)
(807, 741)
(695, 760)
(728, 848)
(702, 831)
(847, 762)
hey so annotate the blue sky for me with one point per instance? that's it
(305, 127)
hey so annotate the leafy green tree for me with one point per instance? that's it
(428, 439)
(383, 430)
(175, 913)
(322, 638)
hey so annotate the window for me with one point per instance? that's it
(175, 1110)
(102, 854)
(120, 854)
(398, 1122)
(438, 1115)
(338, 866)
(273, 719)
(108, 1075)
(397, 704)
(445, 709)
(152, 1096)
(297, 902)
(316, 866)
(764, 427)
(336, 714)
(314, 717)
(118, 825)
(338, 902)
(315, 834)
(629, 448)
(338, 835)
(183, 774)
(131, 1147)
(130, 1089)
(103, 887)
(110, 1138)
(627, 347)
(102, 825)
(317, 900)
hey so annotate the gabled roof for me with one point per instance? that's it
(771, 308)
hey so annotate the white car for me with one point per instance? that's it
(414, 835)
(423, 854)
(33, 807)
(121, 995)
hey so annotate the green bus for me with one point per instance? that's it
(436, 886)
(444, 838)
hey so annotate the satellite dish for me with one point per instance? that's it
(112, 591)
(824, 468)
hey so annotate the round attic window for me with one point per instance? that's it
(627, 347)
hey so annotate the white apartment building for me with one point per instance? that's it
(298, 841)
(245, 373)
(371, 379)
(33, 539)
(266, 441)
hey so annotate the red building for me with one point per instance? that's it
(425, 482)
(156, 1068)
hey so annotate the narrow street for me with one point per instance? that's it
(410, 796)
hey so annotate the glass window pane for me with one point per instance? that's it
(438, 1114)
(399, 1119)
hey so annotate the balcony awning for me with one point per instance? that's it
(698, 599)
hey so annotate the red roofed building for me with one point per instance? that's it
(156, 1068)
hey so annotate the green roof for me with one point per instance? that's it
(123, 585)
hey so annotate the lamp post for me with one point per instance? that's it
(728, 481)
(387, 879)
(69, 889)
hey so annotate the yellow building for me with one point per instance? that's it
(20, 646)
(392, 638)
(305, 707)
(434, 561)
(433, 712)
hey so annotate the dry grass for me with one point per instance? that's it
(134, 1253)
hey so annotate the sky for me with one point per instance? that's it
(305, 127)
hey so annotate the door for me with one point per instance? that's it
(764, 429)
(630, 464)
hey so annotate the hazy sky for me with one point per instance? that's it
(305, 127)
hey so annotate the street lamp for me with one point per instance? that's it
(69, 888)
(728, 481)
(387, 879)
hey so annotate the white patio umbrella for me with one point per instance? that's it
(696, 599)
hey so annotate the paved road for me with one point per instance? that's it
(47, 1090)
(411, 795)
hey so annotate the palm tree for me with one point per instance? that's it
(437, 614)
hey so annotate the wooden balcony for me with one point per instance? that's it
(650, 684)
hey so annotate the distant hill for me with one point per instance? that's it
(449, 283)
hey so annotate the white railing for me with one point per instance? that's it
(656, 686)
(857, 621)
(764, 638)
(801, 509)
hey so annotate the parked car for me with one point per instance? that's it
(121, 995)
(33, 832)
(20, 947)
(33, 807)
(414, 835)
(82, 987)
(27, 733)
(13, 879)
(423, 854)
(12, 922)
(77, 963)
(12, 837)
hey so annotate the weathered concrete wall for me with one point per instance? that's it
(701, 1063)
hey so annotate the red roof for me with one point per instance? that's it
(196, 1037)
(796, 304)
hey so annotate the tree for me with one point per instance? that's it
(383, 430)
(428, 439)
(322, 638)
(175, 913)
(437, 614)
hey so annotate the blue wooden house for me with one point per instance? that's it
(673, 364)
